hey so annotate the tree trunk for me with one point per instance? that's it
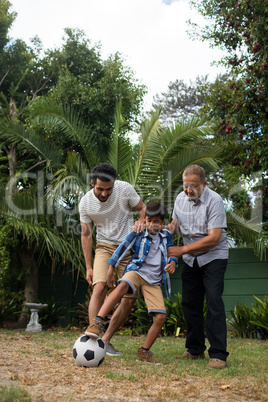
(30, 268)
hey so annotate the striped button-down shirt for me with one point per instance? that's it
(196, 218)
(139, 244)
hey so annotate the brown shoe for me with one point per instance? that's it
(94, 329)
(147, 356)
(187, 355)
(216, 364)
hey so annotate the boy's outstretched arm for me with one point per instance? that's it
(121, 251)
(170, 267)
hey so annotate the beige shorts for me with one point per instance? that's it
(152, 294)
(103, 253)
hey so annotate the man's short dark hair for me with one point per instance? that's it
(156, 209)
(103, 172)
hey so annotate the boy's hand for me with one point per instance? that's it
(170, 268)
(110, 277)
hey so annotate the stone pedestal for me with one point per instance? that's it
(34, 325)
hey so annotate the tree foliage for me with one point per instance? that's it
(182, 99)
(92, 86)
(239, 103)
(64, 112)
(32, 153)
(6, 20)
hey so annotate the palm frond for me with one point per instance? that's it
(14, 132)
(73, 177)
(43, 236)
(145, 171)
(120, 154)
(205, 156)
(65, 120)
(252, 234)
(185, 131)
(165, 153)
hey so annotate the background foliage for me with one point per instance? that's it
(66, 109)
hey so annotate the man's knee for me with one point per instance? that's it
(100, 288)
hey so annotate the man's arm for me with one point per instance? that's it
(211, 240)
(86, 241)
(110, 277)
(139, 224)
(173, 227)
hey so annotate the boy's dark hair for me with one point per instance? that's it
(156, 209)
(103, 172)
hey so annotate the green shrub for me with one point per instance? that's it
(81, 318)
(250, 323)
(241, 317)
(50, 315)
(175, 318)
(10, 305)
(140, 317)
(261, 316)
(7, 309)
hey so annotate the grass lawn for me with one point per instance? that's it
(40, 367)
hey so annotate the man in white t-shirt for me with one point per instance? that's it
(109, 206)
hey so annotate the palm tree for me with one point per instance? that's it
(24, 206)
(166, 152)
(155, 171)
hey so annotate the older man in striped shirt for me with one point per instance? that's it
(199, 215)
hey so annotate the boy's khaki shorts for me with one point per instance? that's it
(152, 294)
(103, 253)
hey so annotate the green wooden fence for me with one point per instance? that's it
(245, 276)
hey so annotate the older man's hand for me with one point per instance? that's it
(175, 251)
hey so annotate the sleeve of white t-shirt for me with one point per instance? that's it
(84, 216)
(133, 197)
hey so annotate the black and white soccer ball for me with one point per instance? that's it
(89, 352)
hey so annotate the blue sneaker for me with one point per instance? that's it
(110, 350)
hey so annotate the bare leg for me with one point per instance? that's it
(97, 299)
(154, 330)
(113, 298)
(119, 317)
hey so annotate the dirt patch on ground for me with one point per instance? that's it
(49, 374)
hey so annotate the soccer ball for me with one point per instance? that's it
(89, 352)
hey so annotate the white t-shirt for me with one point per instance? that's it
(151, 269)
(112, 218)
